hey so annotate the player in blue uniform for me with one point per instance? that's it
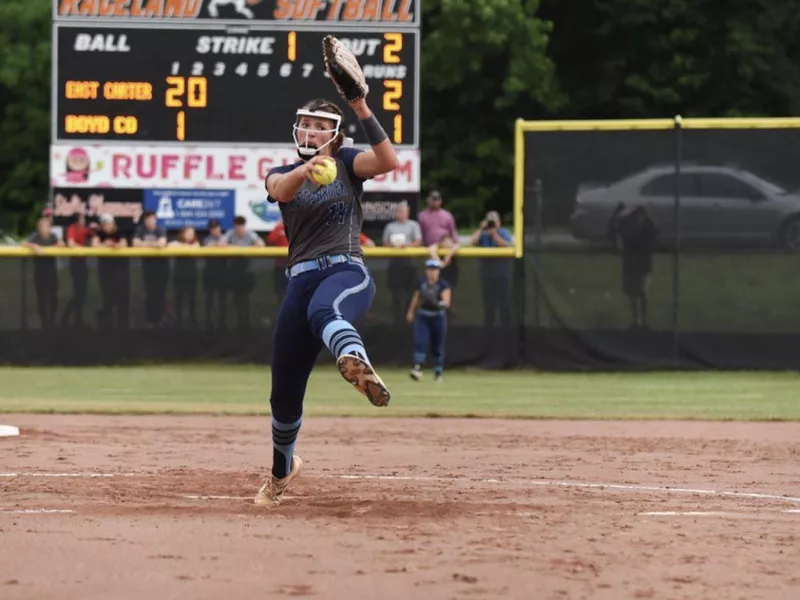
(428, 313)
(329, 286)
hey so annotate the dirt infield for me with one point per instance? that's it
(160, 507)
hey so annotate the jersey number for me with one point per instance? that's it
(336, 212)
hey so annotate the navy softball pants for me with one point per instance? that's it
(429, 332)
(318, 309)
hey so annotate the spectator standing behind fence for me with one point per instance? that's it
(155, 271)
(215, 278)
(495, 273)
(365, 241)
(435, 222)
(636, 235)
(242, 281)
(79, 235)
(45, 274)
(113, 275)
(403, 232)
(184, 278)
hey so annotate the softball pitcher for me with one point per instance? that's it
(428, 313)
(329, 286)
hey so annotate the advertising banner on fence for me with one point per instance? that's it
(193, 167)
(261, 214)
(176, 208)
(378, 209)
(191, 208)
(125, 205)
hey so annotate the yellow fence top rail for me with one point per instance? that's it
(601, 125)
(655, 124)
(741, 123)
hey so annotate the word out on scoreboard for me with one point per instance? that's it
(211, 86)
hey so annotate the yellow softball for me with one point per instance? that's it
(326, 173)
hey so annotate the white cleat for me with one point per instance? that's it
(415, 374)
(360, 373)
(271, 493)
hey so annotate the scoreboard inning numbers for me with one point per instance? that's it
(210, 86)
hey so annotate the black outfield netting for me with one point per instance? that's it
(96, 310)
(660, 249)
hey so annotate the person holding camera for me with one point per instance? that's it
(491, 234)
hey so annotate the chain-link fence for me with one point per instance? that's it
(663, 243)
(59, 308)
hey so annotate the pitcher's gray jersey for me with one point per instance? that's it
(324, 219)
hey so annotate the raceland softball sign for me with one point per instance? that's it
(362, 12)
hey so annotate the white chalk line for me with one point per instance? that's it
(206, 497)
(545, 483)
(35, 511)
(586, 485)
(712, 513)
(71, 475)
(688, 513)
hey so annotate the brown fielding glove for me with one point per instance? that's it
(344, 70)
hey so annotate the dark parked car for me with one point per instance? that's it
(719, 206)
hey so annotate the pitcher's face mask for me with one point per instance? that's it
(314, 130)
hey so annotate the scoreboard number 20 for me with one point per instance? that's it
(195, 91)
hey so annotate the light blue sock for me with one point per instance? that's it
(284, 436)
(342, 338)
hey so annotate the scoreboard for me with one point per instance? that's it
(181, 106)
(120, 80)
(210, 85)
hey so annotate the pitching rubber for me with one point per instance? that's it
(8, 431)
(364, 379)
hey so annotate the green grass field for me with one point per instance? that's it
(245, 390)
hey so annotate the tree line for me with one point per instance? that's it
(483, 65)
